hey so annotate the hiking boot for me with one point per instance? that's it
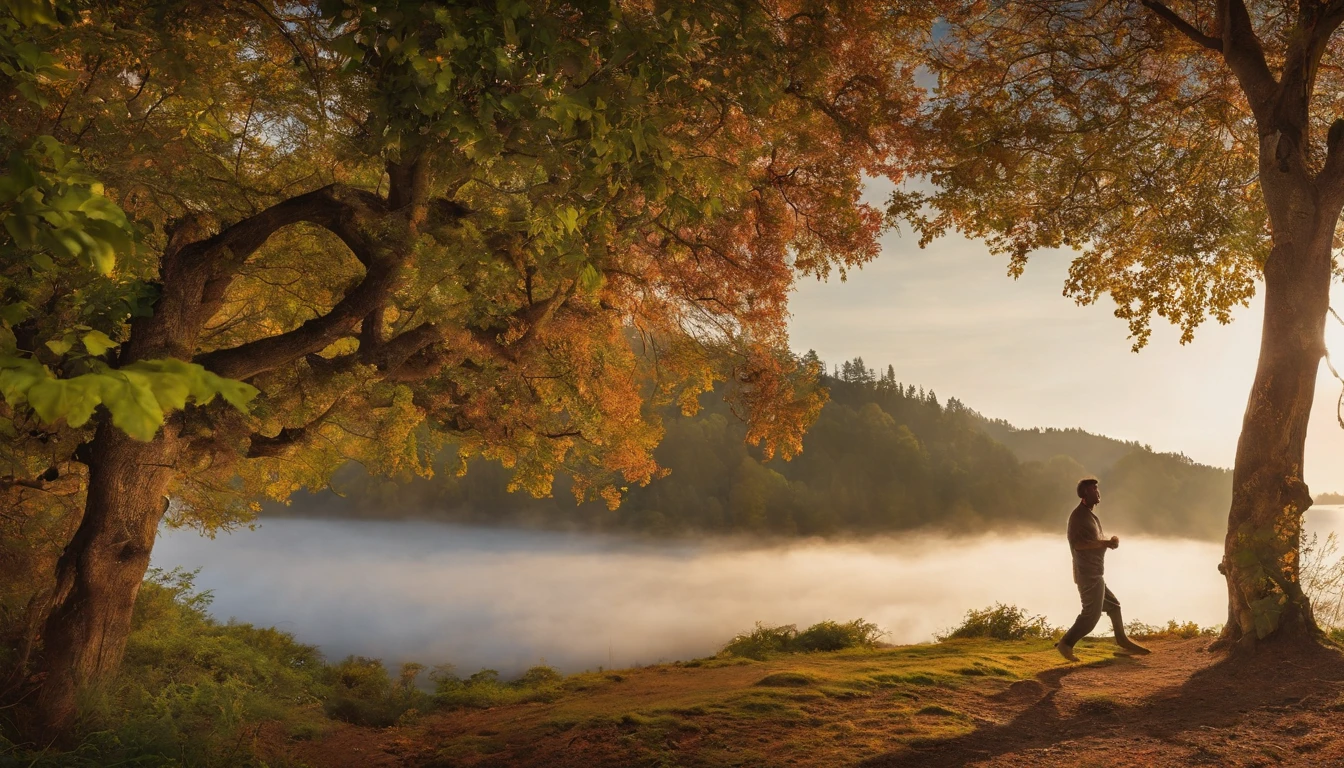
(1065, 650)
(1129, 646)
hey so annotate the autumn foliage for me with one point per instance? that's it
(376, 228)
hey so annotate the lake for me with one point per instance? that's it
(508, 599)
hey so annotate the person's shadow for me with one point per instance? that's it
(1276, 679)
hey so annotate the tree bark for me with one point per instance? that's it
(99, 574)
(1269, 495)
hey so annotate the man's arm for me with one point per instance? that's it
(1110, 543)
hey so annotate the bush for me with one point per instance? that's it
(763, 641)
(191, 691)
(831, 636)
(484, 689)
(362, 692)
(1172, 631)
(1001, 622)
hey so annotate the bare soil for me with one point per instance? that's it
(1179, 706)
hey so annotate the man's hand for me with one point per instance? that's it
(1114, 543)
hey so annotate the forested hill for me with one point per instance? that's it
(883, 457)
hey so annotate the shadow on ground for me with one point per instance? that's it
(1228, 694)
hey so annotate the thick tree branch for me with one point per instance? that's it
(327, 207)
(538, 315)
(254, 357)
(1183, 26)
(288, 438)
(1246, 58)
(1316, 22)
(1330, 181)
(390, 354)
(198, 268)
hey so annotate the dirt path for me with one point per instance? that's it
(1179, 706)
(1176, 707)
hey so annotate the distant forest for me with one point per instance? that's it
(883, 457)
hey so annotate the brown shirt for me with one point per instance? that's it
(1084, 526)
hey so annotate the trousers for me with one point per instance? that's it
(1097, 599)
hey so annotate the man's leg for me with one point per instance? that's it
(1093, 595)
(1112, 607)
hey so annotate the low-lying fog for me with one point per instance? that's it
(506, 599)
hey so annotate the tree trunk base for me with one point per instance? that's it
(1290, 640)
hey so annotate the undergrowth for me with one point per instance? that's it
(764, 641)
(193, 691)
(1001, 622)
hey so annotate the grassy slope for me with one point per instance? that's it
(818, 709)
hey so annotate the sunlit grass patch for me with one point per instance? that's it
(787, 680)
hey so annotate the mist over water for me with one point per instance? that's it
(506, 599)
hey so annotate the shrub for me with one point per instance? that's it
(191, 690)
(1172, 631)
(1001, 622)
(484, 689)
(761, 642)
(832, 636)
(764, 641)
(362, 692)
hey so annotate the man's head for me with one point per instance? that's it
(1089, 492)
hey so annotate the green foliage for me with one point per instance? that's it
(1173, 630)
(195, 692)
(484, 689)
(765, 641)
(362, 692)
(192, 691)
(53, 211)
(58, 225)
(137, 395)
(1001, 622)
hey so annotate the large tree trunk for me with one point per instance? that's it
(1269, 496)
(99, 574)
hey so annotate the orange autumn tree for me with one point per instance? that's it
(1189, 151)
(374, 228)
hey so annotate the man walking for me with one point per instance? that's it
(1089, 552)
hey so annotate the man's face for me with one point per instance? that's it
(1092, 494)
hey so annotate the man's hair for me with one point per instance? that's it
(1084, 483)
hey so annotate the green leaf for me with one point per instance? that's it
(569, 217)
(589, 278)
(18, 375)
(236, 393)
(62, 345)
(71, 399)
(170, 389)
(134, 408)
(13, 314)
(97, 342)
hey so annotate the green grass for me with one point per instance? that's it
(195, 692)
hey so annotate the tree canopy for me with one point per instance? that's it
(1191, 152)
(409, 220)
(1099, 126)
(246, 243)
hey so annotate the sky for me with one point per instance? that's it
(949, 317)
